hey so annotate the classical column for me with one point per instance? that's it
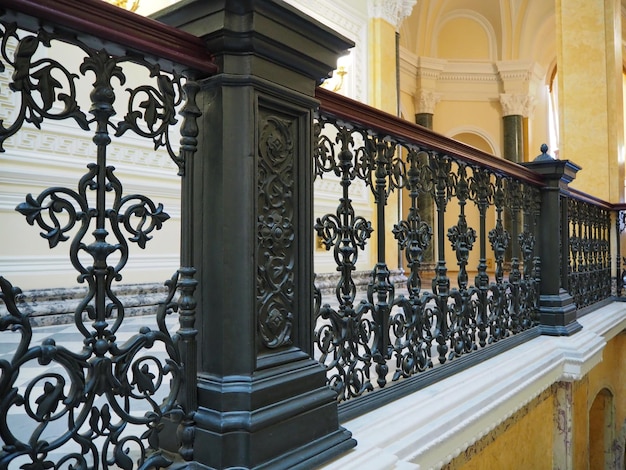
(262, 399)
(515, 107)
(590, 92)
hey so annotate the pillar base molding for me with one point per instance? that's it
(557, 315)
(281, 417)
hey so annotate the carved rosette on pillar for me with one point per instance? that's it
(263, 401)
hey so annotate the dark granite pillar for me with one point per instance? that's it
(424, 119)
(425, 201)
(513, 138)
(262, 400)
(513, 133)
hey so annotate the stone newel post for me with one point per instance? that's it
(262, 400)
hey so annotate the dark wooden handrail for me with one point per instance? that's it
(353, 111)
(588, 198)
(110, 23)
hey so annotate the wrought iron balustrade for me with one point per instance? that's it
(238, 370)
(589, 255)
(102, 406)
(391, 332)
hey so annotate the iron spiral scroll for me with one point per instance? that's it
(92, 395)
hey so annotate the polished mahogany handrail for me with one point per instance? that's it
(110, 23)
(353, 111)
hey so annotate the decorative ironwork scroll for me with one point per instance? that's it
(84, 409)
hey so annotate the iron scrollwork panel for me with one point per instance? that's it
(276, 232)
(81, 409)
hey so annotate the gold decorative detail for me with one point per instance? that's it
(124, 4)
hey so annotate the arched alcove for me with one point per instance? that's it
(475, 137)
(601, 430)
(464, 35)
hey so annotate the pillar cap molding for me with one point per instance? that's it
(425, 101)
(392, 11)
(519, 70)
(265, 38)
(429, 67)
(517, 104)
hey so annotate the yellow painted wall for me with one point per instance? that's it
(526, 440)
(452, 117)
(610, 374)
(522, 442)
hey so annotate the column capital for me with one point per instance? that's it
(425, 101)
(392, 11)
(520, 104)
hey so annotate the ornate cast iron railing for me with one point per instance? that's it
(589, 256)
(390, 334)
(79, 411)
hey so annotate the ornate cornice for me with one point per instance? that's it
(430, 68)
(519, 104)
(392, 11)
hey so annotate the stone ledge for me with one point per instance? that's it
(56, 306)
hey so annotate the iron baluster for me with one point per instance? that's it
(514, 197)
(619, 228)
(481, 191)
(441, 167)
(380, 153)
(575, 250)
(187, 284)
(462, 237)
(527, 247)
(499, 239)
(346, 334)
(412, 325)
